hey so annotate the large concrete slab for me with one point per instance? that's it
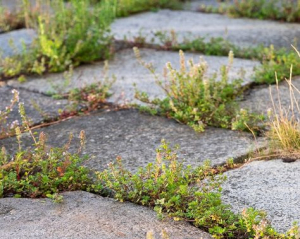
(128, 72)
(38, 107)
(18, 38)
(84, 215)
(272, 186)
(135, 136)
(242, 32)
(260, 98)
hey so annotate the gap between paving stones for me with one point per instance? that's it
(128, 71)
(135, 136)
(132, 142)
(39, 108)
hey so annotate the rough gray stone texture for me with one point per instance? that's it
(242, 32)
(38, 107)
(88, 216)
(18, 37)
(135, 136)
(272, 186)
(128, 71)
(259, 98)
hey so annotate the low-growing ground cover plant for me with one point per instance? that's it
(42, 171)
(65, 37)
(199, 100)
(187, 194)
(281, 10)
(172, 189)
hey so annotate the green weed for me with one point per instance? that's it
(24, 17)
(187, 194)
(127, 7)
(272, 60)
(42, 171)
(195, 99)
(65, 37)
(281, 10)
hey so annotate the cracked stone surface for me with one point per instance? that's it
(272, 186)
(128, 71)
(242, 32)
(259, 98)
(37, 107)
(18, 37)
(135, 136)
(84, 215)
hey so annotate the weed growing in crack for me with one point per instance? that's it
(42, 171)
(65, 37)
(87, 98)
(127, 7)
(272, 60)
(24, 17)
(186, 194)
(278, 61)
(288, 10)
(199, 100)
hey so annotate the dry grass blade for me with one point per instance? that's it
(284, 133)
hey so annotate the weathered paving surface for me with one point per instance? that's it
(135, 136)
(128, 71)
(272, 186)
(242, 32)
(38, 107)
(18, 38)
(84, 215)
(260, 98)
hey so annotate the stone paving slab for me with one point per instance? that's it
(135, 136)
(18, 37)
(38, 107)
(242, 32)
(272, 186)
(259, 99)
(85, 215)
(128, 71)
